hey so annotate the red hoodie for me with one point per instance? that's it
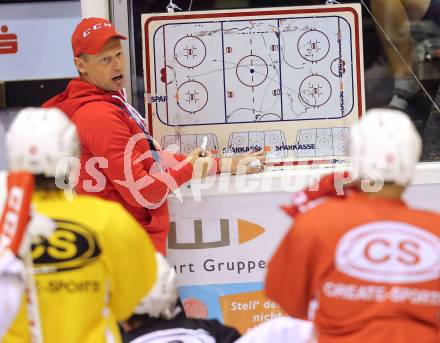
(104, 128)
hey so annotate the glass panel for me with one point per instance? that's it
(401, 40)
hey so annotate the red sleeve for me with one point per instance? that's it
(104, 132)
(289, 275)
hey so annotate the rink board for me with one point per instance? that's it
(220, 246)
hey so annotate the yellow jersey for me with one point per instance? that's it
(91, 273)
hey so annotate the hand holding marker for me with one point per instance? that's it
(203, 147)
(257, 164)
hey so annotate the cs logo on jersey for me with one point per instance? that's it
(389, 252)
(71, 246)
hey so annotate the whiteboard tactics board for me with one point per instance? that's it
(285, 80)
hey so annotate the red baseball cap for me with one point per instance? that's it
(91, 34)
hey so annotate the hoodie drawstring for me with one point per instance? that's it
(136, 116)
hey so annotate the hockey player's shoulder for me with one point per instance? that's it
(427, 218)
(323, 205)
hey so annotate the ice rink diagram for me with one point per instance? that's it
(267, 141)
(247, 71)
(327, 141)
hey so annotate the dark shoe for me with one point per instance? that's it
(417, 107)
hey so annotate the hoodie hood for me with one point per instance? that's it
(77, 94)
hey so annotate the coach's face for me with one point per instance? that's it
(106, 69)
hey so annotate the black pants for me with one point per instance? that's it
(433, 12)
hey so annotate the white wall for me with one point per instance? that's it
(43, 31)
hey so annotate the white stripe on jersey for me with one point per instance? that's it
(176, 335)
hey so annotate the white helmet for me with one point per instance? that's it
(161, 300)
(39, 138)
(386, 144)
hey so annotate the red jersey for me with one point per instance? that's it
(373, 265)
(105, 129)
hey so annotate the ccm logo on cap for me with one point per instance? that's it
(389, 252)
(94, 28)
